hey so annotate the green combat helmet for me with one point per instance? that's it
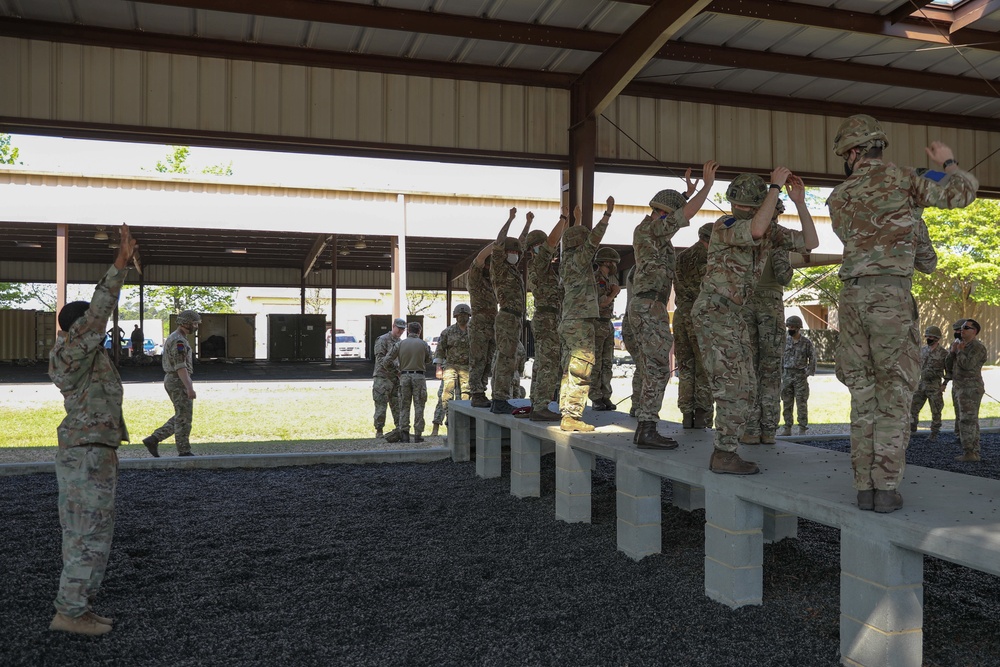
(861, 132)
(932, 332)
(460, 309)
(188, 317)
(705, 231)
(794, 321)
(535, 237)
(747, 190)
(607, 255)
(574, 236)
(667, 200)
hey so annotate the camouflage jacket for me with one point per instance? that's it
(453, 347)
(932, 364)
(482, 300)
(385, 344)
(777, 270)
(543, 278)
(654, 253)
(89, 382)
(799, 355)
(604, 285)
(508, 286)
(965, 368)
(691, 266)
(177, 354)
(577, 275)
(732, 260)
(875, 212)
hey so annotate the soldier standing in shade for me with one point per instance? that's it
(632, 346)
(579, 312)
(410, 358)
(874, 212)
(694, 392)
(138, 342)
(966, 358)
(606, 277)
(453, 364)
(482, 340)
(932, 358)
(798, 364)
(178, 365)
(647, 310)
(385, 383)
(957, 331)
(543, 279)
(87, 461)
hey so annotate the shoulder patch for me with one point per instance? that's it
(729, 221)
(180, 346)
(935, 176)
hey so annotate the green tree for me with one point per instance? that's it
(814, 283)
(162, 301)
(16, 295)
(176, 163)
(8, 152)
(420, 301)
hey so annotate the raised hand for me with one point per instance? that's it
(692, 186)
(939, 153)
(796, 189)
(708, 172)
(611, 205)
(780, 175)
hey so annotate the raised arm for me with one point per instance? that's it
(528, 219)
(708, 173)
(762, 219)
(502, 235)
(557, 231)
(797, 193)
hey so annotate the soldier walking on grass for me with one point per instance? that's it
(798, 364)
(178, 365)
(931, 387)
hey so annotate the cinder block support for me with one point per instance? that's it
(488, 439)
(734, 550)
(687, 497)
(779, 525)
(638, 499)
(881, 602)
(573, 484)
(459, 438)
(525, 465)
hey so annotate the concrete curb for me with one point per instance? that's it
(847, 436)
(252, 460)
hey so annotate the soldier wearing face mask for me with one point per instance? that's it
(798, 363)
(543, 279)
(932, 358)
(606, 277)
(508, 286)
(966, 359)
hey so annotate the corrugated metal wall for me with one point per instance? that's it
(17, 335)
(944, 315)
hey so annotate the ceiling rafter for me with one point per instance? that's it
(906, 9)
(318, 246)
(971, 12)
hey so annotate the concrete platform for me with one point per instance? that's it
(946, 515)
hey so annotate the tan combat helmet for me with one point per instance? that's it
(705, 231)
(535, 237)
(932, 332)
(606, 254)
(794, 322)
(667, 200)
(747, 190)
(861, 132)
(574, 236)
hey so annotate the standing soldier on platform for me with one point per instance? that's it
(874, 214)
(606, 276)
(694, 392)
(482, 341)
(508, 286)
(385, 386)
(798, 364)
(931, 387)
(579, 312)
(87, 460)
(453, 364)
(410, 357)
(966, 358)
(178, 364)
(632, 346)
(543, 279)
(647, 314)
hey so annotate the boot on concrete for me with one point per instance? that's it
(599, 405)
(568, 423)
(152, 444)
(866, 500)
(632, 411)
(186, 454)
(646, 437)
(700, 418)
(887, 501)
(750, 439)
(480, 401)
(378, 433)
(803, 429)
(404, 436)
(687, 421)
(767, 438)
(544, 415)
(81, 625)
(787, 431)
(501, 407)
(434, 431)
(968, 457)
(418, 437)
(730, 463)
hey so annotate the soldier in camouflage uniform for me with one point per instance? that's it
(543, 279)
(736, 257)
(178, 365)
(606, 277)
(932, 358)
(579, 312)
(694, 392)
(798, 364)
(966, 359)
(482, 342)
(87, 461)
(409, 358)
(632, 346)
(875, 213)
(453, 364)
(647, 310)
(385, 385)
(508, 287)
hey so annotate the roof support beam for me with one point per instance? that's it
(906, 9)
(971, 12)
(317, 249)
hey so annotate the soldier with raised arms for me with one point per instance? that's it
(543, 280)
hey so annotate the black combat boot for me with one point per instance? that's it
(501, 407)
(647, 437)
(688, 420)
(700, 418)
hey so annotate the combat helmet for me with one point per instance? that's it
(957, 326)
(188, 317)
(932, 332)
(511, 244)
(574, 236)
(607, 254)
(861, 132)
(747, 190)
(794, 321)
(667, 200)
(535, 237)
(460, 309)
(705, 231)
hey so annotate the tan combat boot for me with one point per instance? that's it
(730, 463)
(480, 401)
(748, 439)
(767, 438)
(687, 421)
(866, 500)
(103, 620)
(568, 423)
(81, 625)
(968, 457)
(152, 445)
(787, 431)
(887, 501)
(434, 431)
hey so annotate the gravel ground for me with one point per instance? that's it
(406, 564)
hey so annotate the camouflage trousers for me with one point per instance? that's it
(969, 400)
(385, 393)
(729, 366)
(578, 347)
(604, 359)
(878, 358)
(649, 320)
(179, 425)
(482, 348)
(632, 346)
(454, 387)
(694, 391)
(412, 391)
(765, 317)
(927, 393)
(795, 393)
(508, 333)
(87, 477)
(547, 369)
